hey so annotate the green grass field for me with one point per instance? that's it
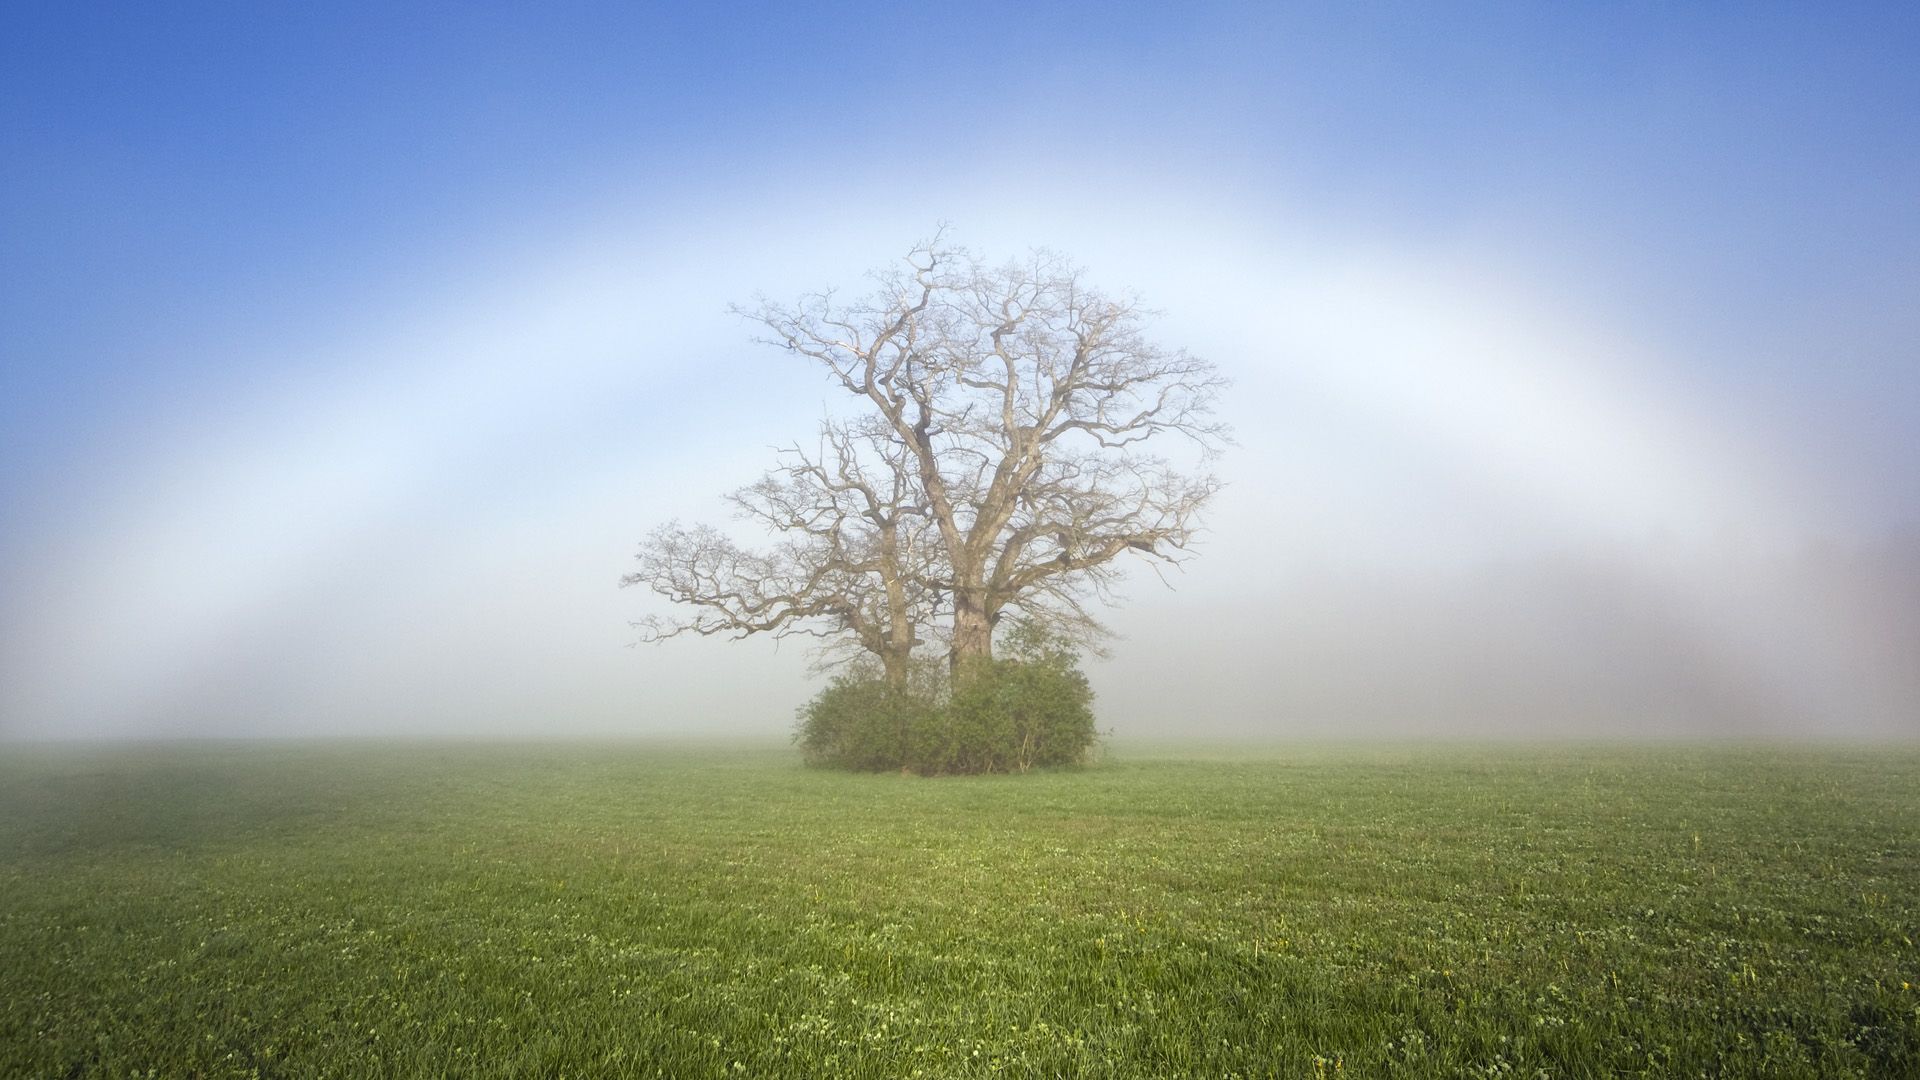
(660, 910)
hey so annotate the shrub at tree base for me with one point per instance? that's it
(864, 724)
(1000, 716)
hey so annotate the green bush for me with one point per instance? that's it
(1033, 710)
(862, 723)
(1012, 716)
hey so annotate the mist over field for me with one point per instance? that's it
(1574, 398)
(1615, 644)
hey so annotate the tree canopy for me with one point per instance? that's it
(1001, 458)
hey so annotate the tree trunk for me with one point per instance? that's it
(896, 653)
(893, 666)
(972, 632)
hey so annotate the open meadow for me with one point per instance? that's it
(655, 909)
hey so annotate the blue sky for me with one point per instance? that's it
(347, 351)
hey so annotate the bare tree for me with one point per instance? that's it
(853, 570)
(998, 463)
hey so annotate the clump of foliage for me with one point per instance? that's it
(1032, 709)
(864, 723)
